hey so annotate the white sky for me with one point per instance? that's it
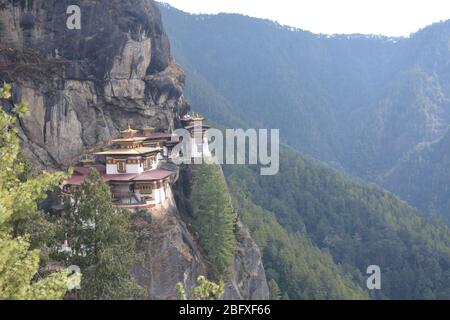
(385, 17)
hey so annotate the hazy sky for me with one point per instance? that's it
(386, 17)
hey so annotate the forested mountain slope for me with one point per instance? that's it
(360, 103)
(422, 177)
(309, 218)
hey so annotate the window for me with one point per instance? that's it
(121, 167)
(146, 188)
(149, 162)
(145, 165)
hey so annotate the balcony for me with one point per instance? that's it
(126, 198)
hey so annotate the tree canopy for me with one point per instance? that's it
(213, 217)
(101, 242)
(310, 218)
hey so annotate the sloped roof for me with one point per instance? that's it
(80, 174)
(130, 152)
(153, 175)
(119, 177)
(203, 126)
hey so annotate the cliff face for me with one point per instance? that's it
(172, 255)
(83, 86)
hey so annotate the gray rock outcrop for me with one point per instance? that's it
(83, 86)
(173, 255)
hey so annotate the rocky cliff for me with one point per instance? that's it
(83, 86)
(173, 255)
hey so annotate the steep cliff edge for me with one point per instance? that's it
(173, 255)
(83, 86)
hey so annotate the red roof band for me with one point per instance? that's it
(80, 174)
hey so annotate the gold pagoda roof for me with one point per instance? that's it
(132, 139)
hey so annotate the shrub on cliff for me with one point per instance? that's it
(205, 290)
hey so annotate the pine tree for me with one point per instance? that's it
(213, 217)
(101, 241)
(274, 290)
(18, 264)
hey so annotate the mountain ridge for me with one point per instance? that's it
(168, 6)
(360, 104)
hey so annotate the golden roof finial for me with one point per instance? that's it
(198, 117)
(128, 132)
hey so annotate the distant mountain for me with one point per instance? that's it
(361, 103)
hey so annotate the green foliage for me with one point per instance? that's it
(18, 201)
(346, 224)
(180, 291)
(18, 268)
(102, 243)
(423, 177)
(208, 290)
(205, 290)
(274, 290)
(37, 225)
(213, 218)
(294, 265)
(5, 91)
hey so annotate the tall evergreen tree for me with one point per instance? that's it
(18, 264)
(274, 290)
(101, 242)
(213, 217)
